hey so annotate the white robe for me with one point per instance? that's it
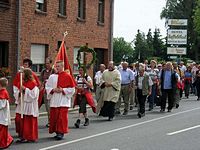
(30, 99)
(114, 78)
(5, 112)
(58, 99)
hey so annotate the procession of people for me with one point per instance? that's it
(139, 83)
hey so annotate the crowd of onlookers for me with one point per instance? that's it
(157, 83)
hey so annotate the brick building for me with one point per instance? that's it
(34, 29)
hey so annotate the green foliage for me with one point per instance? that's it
(149, 40)
(122, 50)
(197, 17)
(141, 47)
(158, 45)
(149, 46)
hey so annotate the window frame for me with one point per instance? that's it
(5, 4)
(101, 12)
(75, 62)
(40, 66)
(5, 50)
(62, 9)
(81, 10)
(42, 5)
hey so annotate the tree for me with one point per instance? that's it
(149, 40)
(158, 45)
(141, 47)
(183, 9)
(122, 50)
(197, 17)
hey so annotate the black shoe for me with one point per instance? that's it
(86, 122)
(139, 115)
(77, 124)
(47, 125)
(131, 107)
(125, 112)
(177, 105)
(22, 141)
(59, 136)
(169, 110)
(117, 113)
(162, 110)
(142, 115)
(110, 118)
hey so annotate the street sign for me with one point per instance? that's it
(177, 22)
(176, 37)
(173, 57)
(176, 50)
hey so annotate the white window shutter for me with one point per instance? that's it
(38, 53)
(40, 1)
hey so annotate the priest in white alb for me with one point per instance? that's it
(111, 84)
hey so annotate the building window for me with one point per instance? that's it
(81, 9)
(38, 55)
(4, 48)
(58, 45)
(41, 5)
(62, 7)
(75, 64)
(101, 11)
(5, 3)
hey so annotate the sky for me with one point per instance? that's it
(131, 15)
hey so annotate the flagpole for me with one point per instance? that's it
(21, 91)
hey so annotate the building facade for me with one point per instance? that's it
(35, 28)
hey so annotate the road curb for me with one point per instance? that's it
(45, 113)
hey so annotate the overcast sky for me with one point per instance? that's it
(131, 15)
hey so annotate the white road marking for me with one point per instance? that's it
(184, 130)
(118, 129)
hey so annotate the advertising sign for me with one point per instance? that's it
(177, 22)
(176, 37)
(176, 50)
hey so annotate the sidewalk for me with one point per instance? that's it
(42, 111)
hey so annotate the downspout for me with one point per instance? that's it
(111, 29)
(18, 34)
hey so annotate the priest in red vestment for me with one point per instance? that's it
(60, 88)
(26, 119)
(5, 137)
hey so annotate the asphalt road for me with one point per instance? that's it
(178, 130)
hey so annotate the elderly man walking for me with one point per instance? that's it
(168, 81)
(127, 78)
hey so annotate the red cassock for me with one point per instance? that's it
(59, 115)
(27, 127)
(5, 137)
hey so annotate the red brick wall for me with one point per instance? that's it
(8, 31)
(48, 29)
